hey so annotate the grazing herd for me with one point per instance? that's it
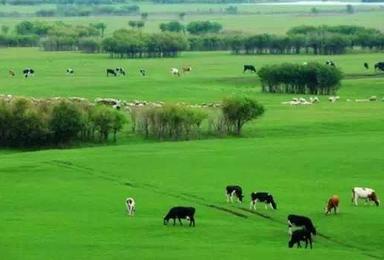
(300, 228)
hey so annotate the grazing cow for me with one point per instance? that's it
(70, 71)
(300, 235)
(379, 66)
(112, 72)
(11, 73)
(131, 206)
(249, 67)
(179, 213)
(120, 70)
(265, 197)
(28, 72)
(175, 72)
(333, 203)
(367, 194)
(234, 190)
(300, 221)
(142, 72)
(186, 69)
(330, 63)
(366, 66)
(333, 99)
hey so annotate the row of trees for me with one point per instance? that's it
(181, 122)
(76, 10)
(135, 44)
(25, 122)
(80, 2)
(311, 78)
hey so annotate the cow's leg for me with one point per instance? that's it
(270, 205)
(355, 200)
(310, 242)
(181, 223)
(232, 194)
(289, 228)
(306, 242)
(251, 204)
(266, 206)
(298, 244)
(192, 221)
(174, 221)
(227, 196)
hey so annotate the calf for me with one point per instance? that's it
(300, 235)
(175, 72)
(249, 67)
(111, 72)
(120, 70)
(28, 72)
(179, 213)
(234, 190)
(367, 194)
(300, 221)
(265, 197)
(131, 206)
(333, 203)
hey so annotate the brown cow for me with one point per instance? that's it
(333, 203)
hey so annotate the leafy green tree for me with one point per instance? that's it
(4, 29)
(239, 110)
(172, 26)
(203, 27)
(144, 16)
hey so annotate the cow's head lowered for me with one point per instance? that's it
(373, 197)
(166, 219)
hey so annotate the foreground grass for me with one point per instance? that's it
(62, 204)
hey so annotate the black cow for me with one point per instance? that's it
(142, 72)
(120, 70)
(265, 197)
(112, 72)
(250, 68)
(366, 66)
(379, 66)
(300, 221)
(300, 235)
(234, 190)
(330, 63)
(28, 72)
(179, 213)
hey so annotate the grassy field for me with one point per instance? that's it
(250, 19)
(62, 204)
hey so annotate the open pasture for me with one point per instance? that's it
(62, 204)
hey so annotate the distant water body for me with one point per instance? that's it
(334, 3)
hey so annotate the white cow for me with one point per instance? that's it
(175, 71)
(367, 194)
(131, 208)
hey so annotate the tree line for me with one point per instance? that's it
(26, 122)
(289, 78)
(29, 122)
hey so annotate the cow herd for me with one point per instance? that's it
(300, 228)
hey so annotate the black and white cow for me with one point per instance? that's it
(28, 72)
(70, 71)
(249, 67)
(366, 66)
(300, 235)
(234, 190)
(300, 221)
(111, 72)
(181, 213)
(142, 72)
(330, 63)
(265, 197)
(120, 70)
(379, 66)
(131, 206)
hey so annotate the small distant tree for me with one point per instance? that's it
(239, 110)
(4, 29)
(140, 24)
(132, 24)
(173, 26)
(231, 9)
(314, 10)
(103, 118)
(350, 9)
(144, 16)
(203, 27)
(118, 122)
(182, 15)
(101, 27)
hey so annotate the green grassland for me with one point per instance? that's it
(69, 204)
(250, 18)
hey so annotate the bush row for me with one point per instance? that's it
(26, 122)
